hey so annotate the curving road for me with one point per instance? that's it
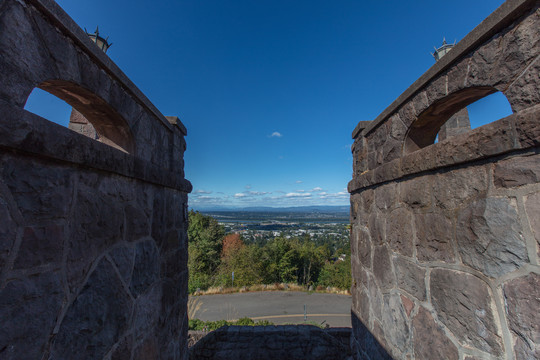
(279, 307)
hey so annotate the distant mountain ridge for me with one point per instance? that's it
(292, 209)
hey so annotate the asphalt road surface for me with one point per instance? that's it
(279, 307)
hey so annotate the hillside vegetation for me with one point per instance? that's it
(214, 256)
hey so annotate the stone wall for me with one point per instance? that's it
(93, 245)
(446, 237)
(273, 342)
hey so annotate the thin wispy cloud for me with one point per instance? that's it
(316, 189)
(258, 193)
(299, 181)
(276, 134)
(247, 187)
(297, 195)
(200, 191)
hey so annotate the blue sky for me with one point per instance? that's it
(270, 90)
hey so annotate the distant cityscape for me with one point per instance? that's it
(258, 225)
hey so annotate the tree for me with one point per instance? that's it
(205, 238)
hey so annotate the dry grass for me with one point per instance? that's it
(193, 305)
(271, 287)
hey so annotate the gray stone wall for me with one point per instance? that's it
(273, 342)
(445, 237)
(93, 245)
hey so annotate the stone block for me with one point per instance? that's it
(395, 324)
(522, 298)
(8, 232)
(408, 305)
(362, 245)
(532, 207)
(416, 192)
(40, 245)
(457, 75)
(397, 128)
(517, 171)
(525, 91)
(420, 102)
(148, 350)
(39, 189)
(22, 48)
(382, 268)
(98, 225)
(375, 296)
(29, 309)
(434, 237)
(374, 159)
(430, 341)
(123, 349)
(527, 127)
(376, 139)
(376, 227)
(97, 318)
(137, 223)
(454, 188)
(146, 312)
(61, 50)
(464, 304)
(388, 171)
(436, 89)
(386, 196)
(407, 114)
(146, 268)
(399, 233)
(411, 278)
(367, 200)
(391, 150)
(123, 258)
(481, 64)
(490, 238)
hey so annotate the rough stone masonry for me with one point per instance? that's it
(93, 245)
(446, 236)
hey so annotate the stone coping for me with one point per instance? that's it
(517, 132)
(57, 16)
(508, 12)
(35, 135)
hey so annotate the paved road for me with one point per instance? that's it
(279, 307)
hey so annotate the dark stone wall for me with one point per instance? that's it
(93, 244)
(273, 342)
(445, 237)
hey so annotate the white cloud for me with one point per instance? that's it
(299, 181)
(297, 195)
(276, 134)
(257, 193)
(239, 195)
(200, 191)
(315, 189)
(247, 186)
(301, 190)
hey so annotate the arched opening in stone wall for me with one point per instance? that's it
(455, 114)
(86, 113)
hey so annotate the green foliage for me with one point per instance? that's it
(246, 264)
(279, 260)
(337, 274)
(196, 324)
(205, 238)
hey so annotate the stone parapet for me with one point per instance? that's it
(93, 234)
(445, 238)
(273, 342)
